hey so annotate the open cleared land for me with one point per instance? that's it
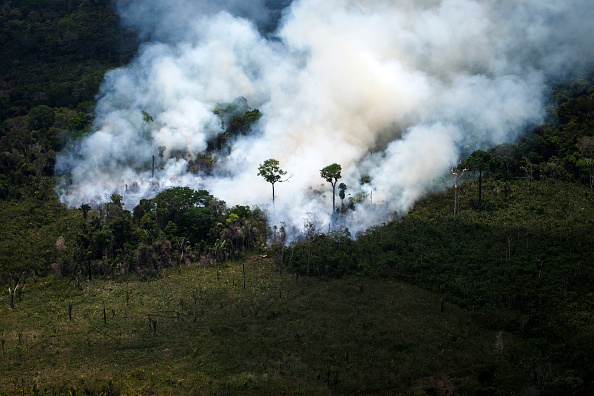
(199, 331)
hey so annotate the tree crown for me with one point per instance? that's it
(481, 160)
(271, 171)
(331, 173)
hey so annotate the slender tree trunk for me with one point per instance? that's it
(333, 198)
(455, 198)
(480, 185)
(457, 175)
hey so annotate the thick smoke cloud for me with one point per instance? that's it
(394, 90)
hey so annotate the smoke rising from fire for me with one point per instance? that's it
(393, 90)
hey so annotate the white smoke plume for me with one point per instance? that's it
(391, 89)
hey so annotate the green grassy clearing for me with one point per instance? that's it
(198, 331)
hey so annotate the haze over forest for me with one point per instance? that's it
(396, 92)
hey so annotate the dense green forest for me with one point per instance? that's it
(54, 56)
(510, 250)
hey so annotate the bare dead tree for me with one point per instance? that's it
(457, 171)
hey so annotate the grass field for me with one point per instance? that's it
(200, 331)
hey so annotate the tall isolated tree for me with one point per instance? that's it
(481, 161)
(331, 174)
(272, 173)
